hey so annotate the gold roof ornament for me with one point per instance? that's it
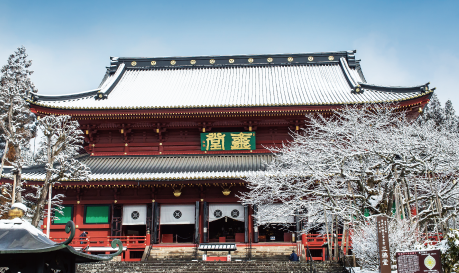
(250, 60)
(134, 63)
(270, 60)
(290, 59)
(17, 210)
(331, 58)
(226, 191)
(153, 62)
(177, 192)
(310, 58)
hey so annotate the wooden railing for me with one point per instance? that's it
(128, 241)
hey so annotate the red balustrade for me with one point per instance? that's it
(92, 241)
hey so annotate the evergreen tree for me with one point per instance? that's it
(433, 111)
(16, 120)
(450, 119)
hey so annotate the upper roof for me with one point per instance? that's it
(327, 78)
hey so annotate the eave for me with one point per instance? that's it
(243, 111)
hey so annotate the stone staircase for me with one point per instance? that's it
(195, 267)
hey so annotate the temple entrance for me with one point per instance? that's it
(137, 230)
(226, 230)
(134, 220)
(275, 233)
(177, 233)
(177, 223)
(226, 223)
(276, 223)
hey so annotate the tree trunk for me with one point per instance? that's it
(18, 182)
(336, 239)
(332, 239)
(328, 240)
(5, 151)
(40, 203)
(44, 192)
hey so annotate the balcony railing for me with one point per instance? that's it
(94, 241)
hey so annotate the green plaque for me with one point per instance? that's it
(65, 216)
(231, 141)
(97, 214)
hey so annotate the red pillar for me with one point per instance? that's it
(79, 214)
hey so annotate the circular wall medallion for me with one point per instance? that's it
(234, 213)
(430, 262)
(310, 58)
(193, 62)
(331, 58)
(290, 59)
(135, 215)
(177, 214)
(270, 60)
(173, 62)
(250, 60)
(153, 62)
(134, 63)
(212, 61)
(218, 213)
(231, 61)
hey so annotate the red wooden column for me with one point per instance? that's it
(79, 214)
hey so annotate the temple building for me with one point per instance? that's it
(170, 139)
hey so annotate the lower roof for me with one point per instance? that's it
(177, 167)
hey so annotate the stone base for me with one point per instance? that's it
(259, 252)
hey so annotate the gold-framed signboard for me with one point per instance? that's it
(228, 141)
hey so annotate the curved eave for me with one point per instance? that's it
(96, 93)
(40, 250)
(397, 89)
(44, 109)
(85, 257)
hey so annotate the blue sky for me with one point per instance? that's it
(399, 42)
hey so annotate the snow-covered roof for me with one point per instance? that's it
(20, 237)
(185, 167)
(330, 78)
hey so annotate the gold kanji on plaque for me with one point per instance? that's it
(215, 141)
(241, 141)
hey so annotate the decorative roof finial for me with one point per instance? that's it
(17, 210)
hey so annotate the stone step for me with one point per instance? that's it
(200, 267)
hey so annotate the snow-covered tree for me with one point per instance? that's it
(402, 236)
(449, 247)
(451, 120)
(16, 120)
(433, 111)
(361, 161)
(61, 142)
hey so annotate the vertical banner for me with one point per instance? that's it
(246, 223)
(196, 224)
(383, 244)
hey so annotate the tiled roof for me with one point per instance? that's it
(133, 84)
(193, 167)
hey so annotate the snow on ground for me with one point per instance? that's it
(358, 270)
